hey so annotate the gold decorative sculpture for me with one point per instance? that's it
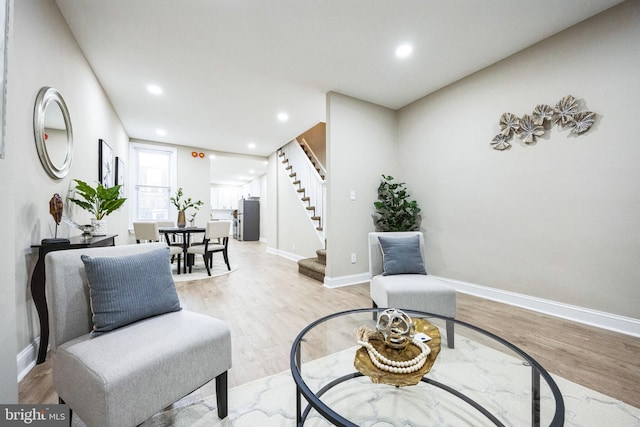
(399, 367)
(529, 127)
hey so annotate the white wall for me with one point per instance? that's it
(8, 344)
(271, 206)
(193, 177)
(361, 146)
(557, 219)
(44, 53)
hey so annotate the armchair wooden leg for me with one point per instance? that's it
(221, 395)
(450, 335)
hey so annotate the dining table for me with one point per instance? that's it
(185, 234)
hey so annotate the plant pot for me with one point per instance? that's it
(100, 227)
(181, 219)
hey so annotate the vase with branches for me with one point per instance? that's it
(183, 204)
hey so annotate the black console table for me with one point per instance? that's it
(38, 280)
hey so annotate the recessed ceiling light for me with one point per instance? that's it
(251, 145)
(283, 117)
(154, 89)
(161, 132)
(252, 171)
(404, 50)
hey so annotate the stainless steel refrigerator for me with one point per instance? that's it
(249, 219)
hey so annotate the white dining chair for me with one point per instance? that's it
(149, 231)
(216, 239)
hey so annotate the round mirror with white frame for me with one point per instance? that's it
(53, 133)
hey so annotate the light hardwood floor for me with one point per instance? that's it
(266, 303)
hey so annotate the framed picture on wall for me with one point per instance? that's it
(120, 174)
(105, 164)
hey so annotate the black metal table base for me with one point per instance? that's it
(301, 416)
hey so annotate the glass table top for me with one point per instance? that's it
(482, 380)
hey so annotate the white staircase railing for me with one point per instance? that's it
(314, 159)
(310, 184)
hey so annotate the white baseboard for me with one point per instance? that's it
(353, 279)
(284, 254)
(612, 322)
(26, 359)
(599, 319)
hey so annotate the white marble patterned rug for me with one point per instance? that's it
(271, 401)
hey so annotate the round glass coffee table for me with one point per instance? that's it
(482, 380)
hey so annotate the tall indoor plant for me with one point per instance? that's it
(99, 201)
(183, 205)
(394, 209)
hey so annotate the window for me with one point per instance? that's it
(153, 169)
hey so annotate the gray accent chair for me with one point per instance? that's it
(409, 291)
(125, 376)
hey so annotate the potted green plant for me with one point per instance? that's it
(183, 205)
(99, 201)
(394, 209)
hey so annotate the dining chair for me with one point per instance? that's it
(175, 239)
(216, 239)
(149, 231)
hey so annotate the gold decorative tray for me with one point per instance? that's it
(365, 366)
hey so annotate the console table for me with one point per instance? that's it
(38, 280)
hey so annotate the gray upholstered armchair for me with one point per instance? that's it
(399, 278)
(114, 374)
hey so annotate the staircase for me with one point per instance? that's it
(308, 178)
(309, 185)
(314, 267)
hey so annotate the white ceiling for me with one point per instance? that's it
(228, 67)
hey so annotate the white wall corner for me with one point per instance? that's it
(612, 322)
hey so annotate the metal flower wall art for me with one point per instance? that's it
(528, 128)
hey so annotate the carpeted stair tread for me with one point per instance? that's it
(312, 267)
(322, 256)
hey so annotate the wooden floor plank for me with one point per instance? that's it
(267, 302)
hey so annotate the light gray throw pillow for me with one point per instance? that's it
(126, 289)
(401, 255)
